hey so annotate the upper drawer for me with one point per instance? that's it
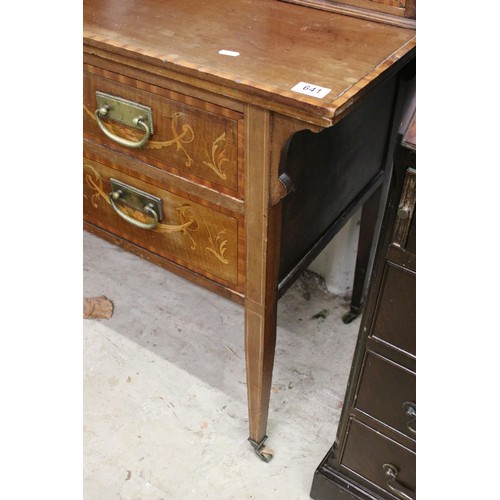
(191, 138)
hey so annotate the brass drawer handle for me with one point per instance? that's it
(126, 112)
(411, 410)
(137, 199)
(148, 209)
(138, 121)
(397, 488)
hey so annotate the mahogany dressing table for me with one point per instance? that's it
(228, 142)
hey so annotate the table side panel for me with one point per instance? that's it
(342, 159)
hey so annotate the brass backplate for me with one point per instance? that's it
(124, 111)
(136, 198)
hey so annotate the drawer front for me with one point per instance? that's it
(387, 392)
(369, 454)
(191, 138)
(199, 237)
(395, 314)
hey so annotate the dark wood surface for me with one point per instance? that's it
(319, 164)
(410, 138)
(370, 465)
(382, 382)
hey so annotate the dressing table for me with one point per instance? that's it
(228, 142)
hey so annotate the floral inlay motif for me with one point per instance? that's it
(183, 135)
(186, 136)
(218, 155)
(192, 220)
(218, 246)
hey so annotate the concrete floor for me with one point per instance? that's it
(165, 413)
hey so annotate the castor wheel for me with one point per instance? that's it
(263, 452)
(350, 316)
(353, 313)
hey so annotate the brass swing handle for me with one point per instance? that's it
(139, 122)
(139, 200)
(397, 488)
(149, 209)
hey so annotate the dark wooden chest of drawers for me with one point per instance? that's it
(374, 453)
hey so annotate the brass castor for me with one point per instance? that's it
(263, 452)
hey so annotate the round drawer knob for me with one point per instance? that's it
(404, 213)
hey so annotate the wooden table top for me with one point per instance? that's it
(279, 46)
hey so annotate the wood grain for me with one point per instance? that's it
(262, 261)
(165, 54)
(393, 12)
(192, 234)
(279, 47)
(192, 138)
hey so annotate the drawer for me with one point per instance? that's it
(387, 392)
(379, 460)
(191, 138)
(193, 233)
(394, 321)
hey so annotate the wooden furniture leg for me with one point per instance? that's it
(262, 227)
(260, 341)
(366, 246)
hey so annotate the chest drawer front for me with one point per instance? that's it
(395, 318)
(369, 454)
(387, 392)
(191, 138)
(192, 234)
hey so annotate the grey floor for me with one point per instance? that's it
(165, 413)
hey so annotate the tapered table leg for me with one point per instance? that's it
(262, 229)
(366, 247)
(260, 341)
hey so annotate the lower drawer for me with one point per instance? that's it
(195, 234)
(375, 459)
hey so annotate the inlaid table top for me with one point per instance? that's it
(258, 47)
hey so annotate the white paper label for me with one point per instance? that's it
(231, 53)
(311, 90)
